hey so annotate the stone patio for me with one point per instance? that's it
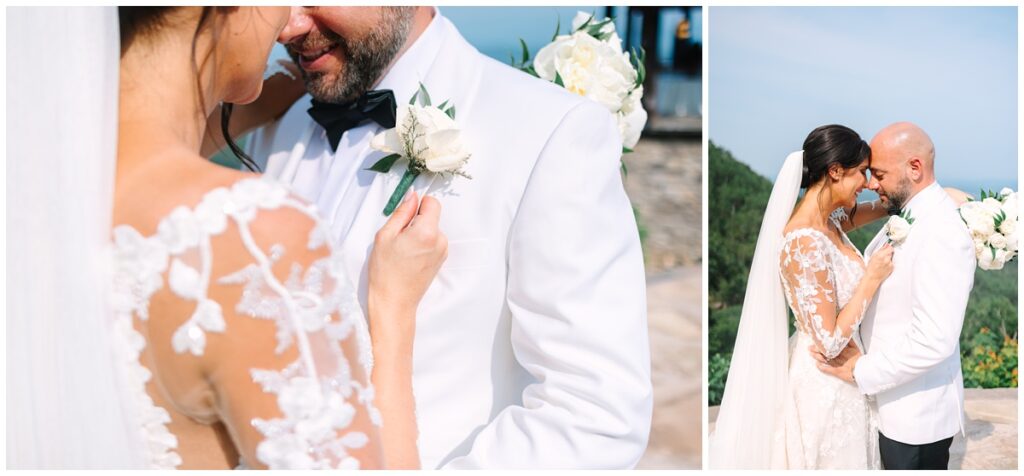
(991, 441)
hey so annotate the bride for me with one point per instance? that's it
(778, 410)
(231, 336)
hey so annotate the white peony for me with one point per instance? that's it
(897, 230)
(1009, 206)
(588, 67)
(435, 139)
(987, 261)
(608, 29)
(598, 70)
(1011, 241)
(992, 206)
(632, 118)
(997, 240)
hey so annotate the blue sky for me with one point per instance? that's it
(776, 73)
(496, 31)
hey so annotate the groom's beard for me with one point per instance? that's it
(365, 59)
(898, 198)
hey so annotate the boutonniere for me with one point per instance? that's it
(898, 227)
(428, 137)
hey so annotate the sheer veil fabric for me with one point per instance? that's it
(755, 388)
(65, 398)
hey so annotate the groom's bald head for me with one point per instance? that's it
(902, 163)
(907, 140)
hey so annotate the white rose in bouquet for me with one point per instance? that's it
(997, 241)
(590, 62)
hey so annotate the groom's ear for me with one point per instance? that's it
(916, 171)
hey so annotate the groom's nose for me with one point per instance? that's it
(299, 24)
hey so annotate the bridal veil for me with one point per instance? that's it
(65, 400)
(756, 385)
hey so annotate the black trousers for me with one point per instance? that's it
(896, 455)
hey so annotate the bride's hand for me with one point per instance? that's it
(880, 266)
(407, 253)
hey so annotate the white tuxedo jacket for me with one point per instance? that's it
(911, 330)
(531, 346)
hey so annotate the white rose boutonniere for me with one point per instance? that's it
(992, 221)
(898, 227)
(590, 62)
(428, 137)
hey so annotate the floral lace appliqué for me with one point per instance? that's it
(312, 392)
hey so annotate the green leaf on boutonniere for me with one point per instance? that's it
(445, 103)
(450, 112)
(424, 96)
(558, 79)
(526, 51)
(626, 150)
(384, 165)
(558, 28)
(412, 100)
(531, 71)
(622, 167)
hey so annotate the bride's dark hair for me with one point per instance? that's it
(828, 145)
(139, 22)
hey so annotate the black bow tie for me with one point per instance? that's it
(376, 106)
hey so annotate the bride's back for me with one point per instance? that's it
(240, 336)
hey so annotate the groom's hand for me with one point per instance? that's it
(849, 352)
(843, 371)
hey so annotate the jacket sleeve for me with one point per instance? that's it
(577, 294)
(943, 276)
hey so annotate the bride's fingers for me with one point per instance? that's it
(430, 212)
(402, 215)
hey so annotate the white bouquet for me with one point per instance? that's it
(992, 221)
(590, 62)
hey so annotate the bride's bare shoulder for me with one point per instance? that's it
(191, 185)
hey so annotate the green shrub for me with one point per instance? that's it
(990, 361)
(718, 369)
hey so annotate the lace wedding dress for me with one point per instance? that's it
(296, 346)
(826, 422)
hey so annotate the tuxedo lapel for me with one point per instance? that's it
(876, 242)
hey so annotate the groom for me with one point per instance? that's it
(531, 348)
(911, 331)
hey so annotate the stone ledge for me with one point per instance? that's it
(991, 441)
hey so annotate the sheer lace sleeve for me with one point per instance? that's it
(809, 279)
(272, 325)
